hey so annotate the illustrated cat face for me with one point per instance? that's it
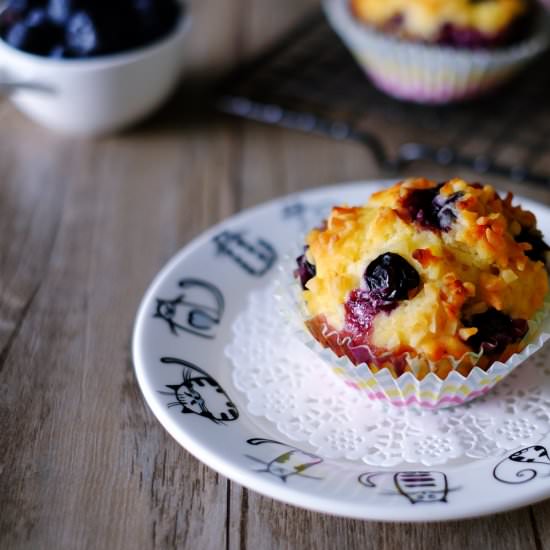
(203, 396)
(190, 399)
(199, 393)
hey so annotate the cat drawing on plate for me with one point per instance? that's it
(200, 394)
(291, 462)
(523, 465)
(416, 486)
(254, 257)
(198, 309)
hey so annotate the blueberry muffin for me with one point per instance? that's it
(444, 276)
(458, 23)
(439, 51)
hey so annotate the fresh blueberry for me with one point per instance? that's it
(18, 36)
(84, 28)
(162, 9)
(37, 18)
(114, 26)
(305, 270)
(391, 277)
(58, 52)
(144, 6)
(495, 331)
(60, 11)
(156, 18)
(22, 6)
(14, 12)
(539, 248)
(82, 35)
(33, 35)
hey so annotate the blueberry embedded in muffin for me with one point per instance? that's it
(473, 24)
(433, 271)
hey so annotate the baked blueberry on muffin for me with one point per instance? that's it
(425, 277)
(458, 23)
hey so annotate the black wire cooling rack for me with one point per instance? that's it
(309, 81)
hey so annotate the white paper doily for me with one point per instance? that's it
(285, 382)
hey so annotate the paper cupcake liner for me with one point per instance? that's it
(407, 390)
(426, 73)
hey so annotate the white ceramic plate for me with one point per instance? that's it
(182, 328)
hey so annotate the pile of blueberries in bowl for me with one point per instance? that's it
(86, 28)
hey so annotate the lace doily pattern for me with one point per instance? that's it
(287, 383)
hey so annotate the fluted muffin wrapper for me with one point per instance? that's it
(407, 390)
(429, 73)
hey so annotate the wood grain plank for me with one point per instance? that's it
(285, 161)
(541, 527)
(41, 188)
(272, 525)
(85, 225)
(87, 462)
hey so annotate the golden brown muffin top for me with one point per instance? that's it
(474, 252)
(424, 19)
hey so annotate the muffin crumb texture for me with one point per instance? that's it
(430, 274)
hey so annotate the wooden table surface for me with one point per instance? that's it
(84, 226)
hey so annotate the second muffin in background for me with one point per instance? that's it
(439, 51)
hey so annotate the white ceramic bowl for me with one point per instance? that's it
(98, 95)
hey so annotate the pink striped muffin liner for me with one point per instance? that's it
(406, 390)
